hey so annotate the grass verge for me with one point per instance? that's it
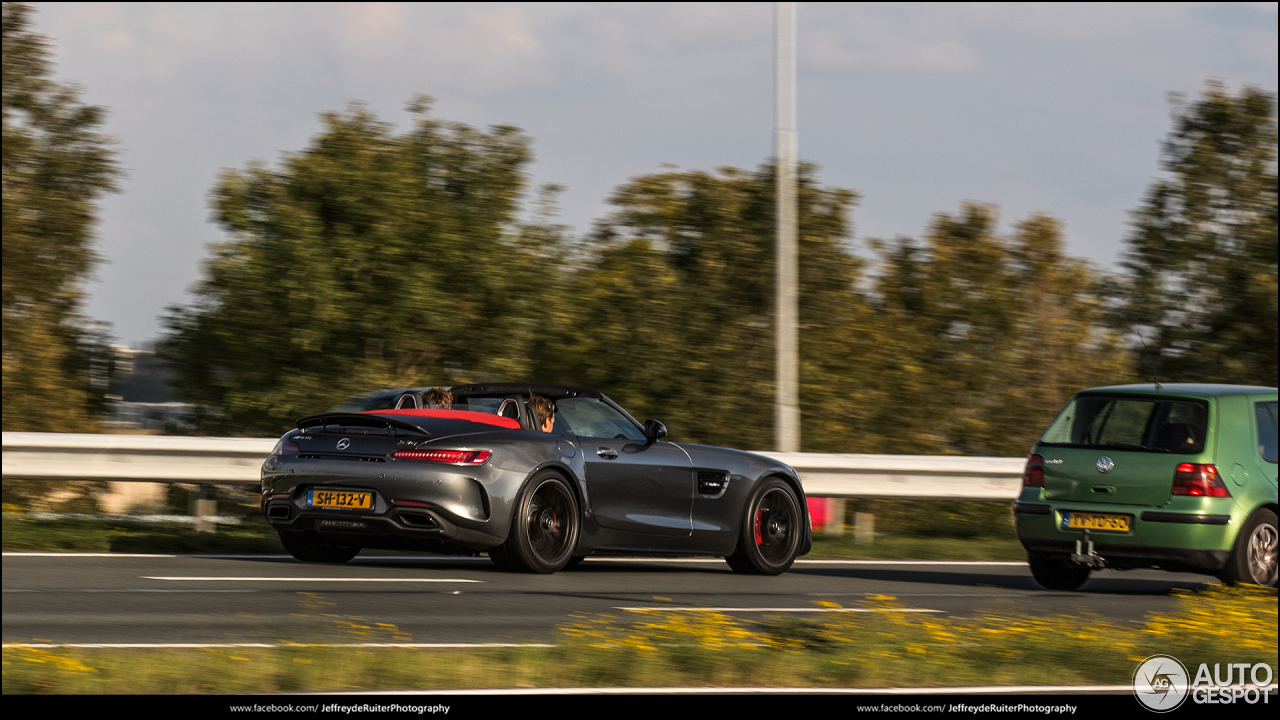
(22, 533)
(880, 648)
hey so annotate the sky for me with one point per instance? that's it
(1055, 108)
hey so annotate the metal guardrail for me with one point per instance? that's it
(222, 461)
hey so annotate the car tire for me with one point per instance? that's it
(499, 558)
(310, 547)
(1055, 574)
(772, 529)
(544, 528)
(1253, 559)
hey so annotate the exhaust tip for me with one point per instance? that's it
(419, 520)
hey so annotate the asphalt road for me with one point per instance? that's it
(122, 599)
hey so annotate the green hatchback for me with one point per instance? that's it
(1180, 477)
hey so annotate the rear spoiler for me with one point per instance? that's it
(359, 420)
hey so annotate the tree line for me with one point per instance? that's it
(381, 258)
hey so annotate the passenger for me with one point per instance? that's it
(437, 398)
(545, 410)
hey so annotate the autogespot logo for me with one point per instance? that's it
(1161, 683)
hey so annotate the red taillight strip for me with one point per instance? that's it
(1033, 474)
(1198, 480)
(449, 457)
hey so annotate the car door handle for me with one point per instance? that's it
(607, 453)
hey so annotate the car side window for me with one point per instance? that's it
(588, 417)
(1266, 415)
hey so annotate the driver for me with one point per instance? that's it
(545, 410)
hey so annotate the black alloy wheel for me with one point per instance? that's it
(544, 531)
(310, 547)
(771, 531)
(1253, 560)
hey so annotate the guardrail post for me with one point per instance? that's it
(204, 510)
(836, 526)
(864, 527)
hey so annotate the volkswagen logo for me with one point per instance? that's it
(1105, 464)
(345, 443)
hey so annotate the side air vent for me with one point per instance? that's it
(712, 483)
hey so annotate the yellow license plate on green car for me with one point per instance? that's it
(1104, 522)
(341, 499)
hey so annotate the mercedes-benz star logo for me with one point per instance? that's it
(345, 443)
(1160, 683)
(1105, 464)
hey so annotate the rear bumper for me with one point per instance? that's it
(1128, 557)
(1189, 535)
(398, 528)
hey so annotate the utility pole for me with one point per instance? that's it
(786, 403)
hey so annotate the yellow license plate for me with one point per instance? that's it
(341, 499)
(1096, 521)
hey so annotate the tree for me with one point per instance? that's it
(1202, 254)
(56, 165)
(670, 311)
(370, 259)
(982, 338)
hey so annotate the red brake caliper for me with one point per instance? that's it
(759, 515)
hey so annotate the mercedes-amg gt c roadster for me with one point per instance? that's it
(380, 471)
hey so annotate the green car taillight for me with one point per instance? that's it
(1199, 480)
(1033, 474)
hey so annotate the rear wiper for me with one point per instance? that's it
(1132, 446)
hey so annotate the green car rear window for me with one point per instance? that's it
(1266, 413)
(1127, 422)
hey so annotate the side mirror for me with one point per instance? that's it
(654, 430)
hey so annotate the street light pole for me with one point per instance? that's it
(786, 403)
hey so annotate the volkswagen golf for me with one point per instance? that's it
(1180, 477)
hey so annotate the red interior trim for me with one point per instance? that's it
(467, 415)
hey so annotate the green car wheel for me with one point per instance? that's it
(1055, 575)
(1254, 558)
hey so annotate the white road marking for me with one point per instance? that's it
(1022, 563)
(216, 578)
(773, 609)
(450, 559)
(984, 690)
(144, 646)
(85, 554)
(899, 595)
(130, 590)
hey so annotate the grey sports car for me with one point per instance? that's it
(380, 471)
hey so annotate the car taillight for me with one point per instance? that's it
(286, 448)
(450, 457)
(1199, 480)
(1033, 475)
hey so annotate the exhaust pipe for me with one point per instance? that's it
(418, 520)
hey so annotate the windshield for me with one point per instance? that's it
(589, 417)
(1131, 423)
